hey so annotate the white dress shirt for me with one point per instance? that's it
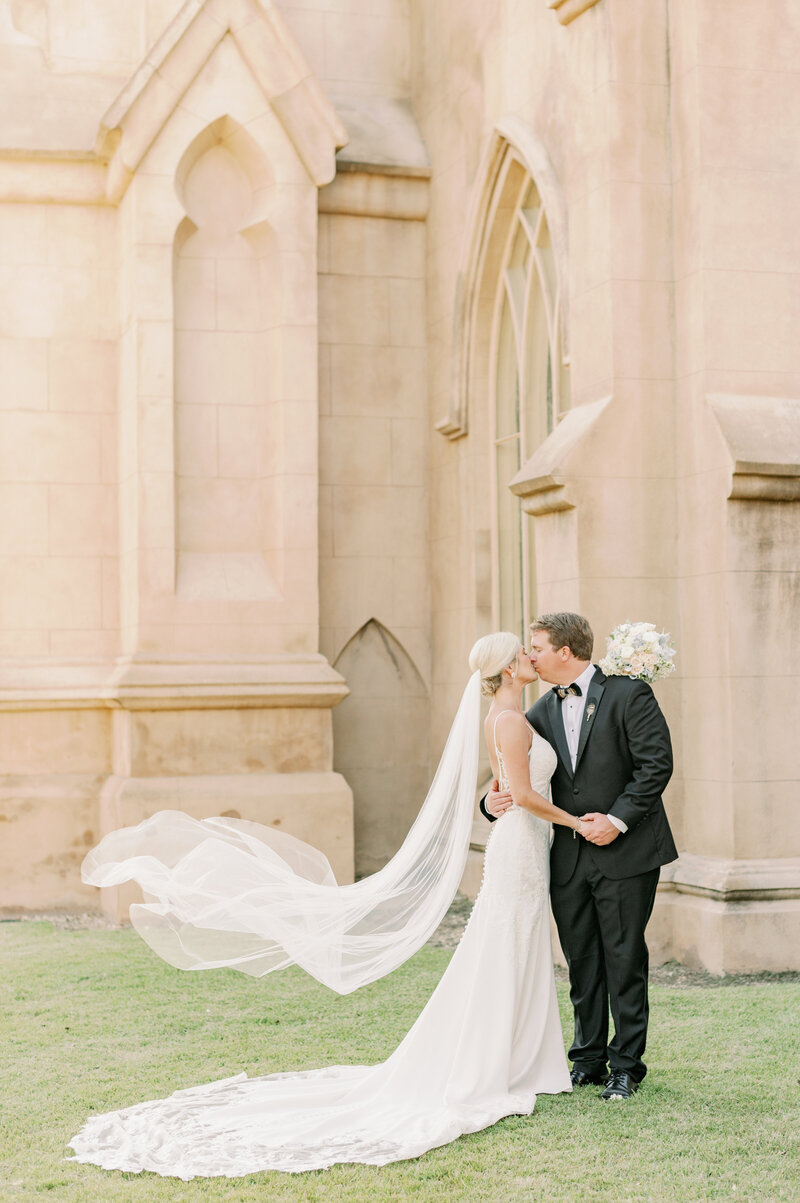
(572, 711)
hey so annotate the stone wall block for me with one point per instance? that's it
(372, 50)
(641, 245)
(691, 354)
(53, 817)
(53, 447)
(407, 313)
(156, 428)
(24, 528)
(644, 345)
(225, 84)
(760, 808)
(52, 591)
(298, 292)
(591, 228)
(354, 310)
(221, 515)
(754, 320)
(409, 446)
(749, 119)
(155, 359)
(223, 365)
(367, 519)
(385, 381)
(23, 234)
(23, 373)
(82, 519)
(639, 48)
(638, 147)
(376, 247)
(593, 342)
(241, 433)
(81, 375)
(355, 451)
(356, 589)
(740, 204)
(213, 741)
(81, 236)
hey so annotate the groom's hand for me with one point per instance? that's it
(496, 803)
(599, 829)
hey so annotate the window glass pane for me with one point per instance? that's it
(537, 422)
(509, 540)
(507, 383)
(547, 261)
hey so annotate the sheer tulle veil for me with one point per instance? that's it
(230, 893)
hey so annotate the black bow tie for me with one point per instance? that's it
(561, 691)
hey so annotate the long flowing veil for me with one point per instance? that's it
(231, 893)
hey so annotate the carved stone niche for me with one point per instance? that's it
(763, 439)
(568, 10)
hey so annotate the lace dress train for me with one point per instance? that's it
(488, 1041)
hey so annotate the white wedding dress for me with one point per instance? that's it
(487, 1043)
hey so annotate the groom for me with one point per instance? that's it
(614, 760)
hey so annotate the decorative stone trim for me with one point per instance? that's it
(734, 880)
(762, 435)
(282, 681)
(367, 190)
(542, 482)
(511, 136)
(140, 111)
(568, 10)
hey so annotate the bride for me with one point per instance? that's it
(227, 892)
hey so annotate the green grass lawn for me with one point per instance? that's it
(91, 1020)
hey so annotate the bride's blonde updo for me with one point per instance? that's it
(490, 656)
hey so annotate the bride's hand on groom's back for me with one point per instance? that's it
(496, 803)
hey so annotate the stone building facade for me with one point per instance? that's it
(336, 333)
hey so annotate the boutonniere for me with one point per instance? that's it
(590, 709)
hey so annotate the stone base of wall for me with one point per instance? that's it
(734, 937)
(52, 823)
(756, 932)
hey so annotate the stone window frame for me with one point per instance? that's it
(486, 232)
(526, 380)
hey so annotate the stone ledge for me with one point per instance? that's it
(281, 681)
(567, 10)
(541, 482)
(762, 435)
(370, 190)
(759, 880)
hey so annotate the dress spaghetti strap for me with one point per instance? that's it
(502, 779)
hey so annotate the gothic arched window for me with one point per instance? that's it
(526, 383)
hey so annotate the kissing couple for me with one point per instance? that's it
(226, 892)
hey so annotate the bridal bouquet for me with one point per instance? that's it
(638, 650)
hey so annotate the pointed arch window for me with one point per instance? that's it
(527, 383)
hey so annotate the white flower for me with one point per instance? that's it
(639, 651)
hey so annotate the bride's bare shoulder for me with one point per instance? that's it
(510, 727)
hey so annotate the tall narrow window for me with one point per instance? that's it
(526, 380)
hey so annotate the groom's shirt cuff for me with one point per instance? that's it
(618, 823)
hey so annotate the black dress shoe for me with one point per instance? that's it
(620, 1086)
(579, 1077)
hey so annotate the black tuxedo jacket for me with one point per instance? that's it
(623, 765)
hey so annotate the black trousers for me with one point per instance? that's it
(601, 925)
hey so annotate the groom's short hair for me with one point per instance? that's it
(567, 630)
